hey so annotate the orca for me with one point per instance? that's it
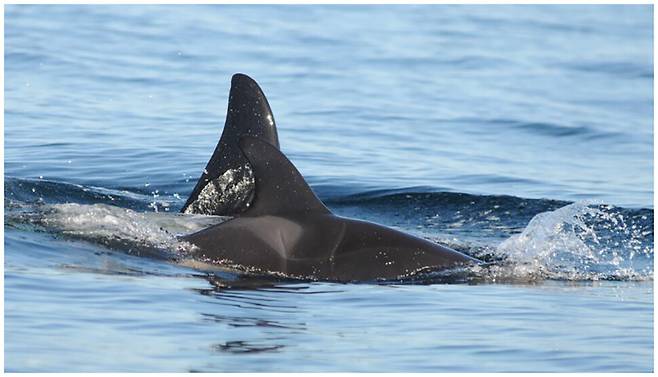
(226, 184)
(286, 229)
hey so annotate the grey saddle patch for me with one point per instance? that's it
(230, 192)
(289, 231)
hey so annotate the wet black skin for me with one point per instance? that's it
(288, 229)
(322, 246)
(248, 114)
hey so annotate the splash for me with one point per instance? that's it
(580, 241)
(226, 193)
(140, 233)
(554, 240)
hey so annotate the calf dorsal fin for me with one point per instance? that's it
(280, 188)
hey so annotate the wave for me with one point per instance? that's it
(42, 191)
(581, 241)
(557, 130)
(523, 240)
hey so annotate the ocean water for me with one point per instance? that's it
(522, 135)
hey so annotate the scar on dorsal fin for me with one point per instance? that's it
(280, 188)
(249, 114)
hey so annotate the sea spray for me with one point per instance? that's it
(580, 241)
(122, 228)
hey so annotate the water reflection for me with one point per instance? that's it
(251, 322)
(239, 347)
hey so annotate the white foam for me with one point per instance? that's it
(564, 244)
(110, 224)
(229, 190)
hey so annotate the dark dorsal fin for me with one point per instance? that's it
(249, 114)
(280, 188)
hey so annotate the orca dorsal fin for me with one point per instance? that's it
(280, 188)
(250, 114)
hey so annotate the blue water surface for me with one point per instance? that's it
(521, 134)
